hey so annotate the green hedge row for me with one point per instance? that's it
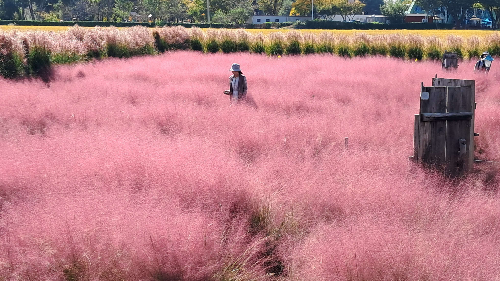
(321, 24)
(316, 24)
(129, 24)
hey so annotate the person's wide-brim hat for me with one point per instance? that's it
(486, 53)
(235, 67)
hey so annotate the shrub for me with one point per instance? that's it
(361, 50)
(379, 46)
(293, 41)
(473, 47)
(197, 37)
(454, 44)
(94, 42)
(174, 38)
(493, 44)
(293, 48)
(309, 44)
(415, 47)
(326, 43)
(434, 48)
(65, 58)
(38, 58)
(343, 51)
(11, 54)
(258, 46)
(243, 43)
(276, 44)
(434, 54)
(138, 41)
(361, 45)
(196, 45)
(228, 41)
(212, 46)
(397, 46)
(228, 46)
(343, 44)
(212, 39)
(115, 50)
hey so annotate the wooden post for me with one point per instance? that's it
(444, 127)
(450, 60)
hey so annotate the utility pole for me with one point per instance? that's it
(208, 11)
(312, 9)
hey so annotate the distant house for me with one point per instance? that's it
(418, 18)
(414, 18)
(356, 18)
(376, 18)
(277, 19)
(260, 19)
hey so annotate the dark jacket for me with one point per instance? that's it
(242, 86)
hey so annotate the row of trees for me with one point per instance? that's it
(455, 8)
(222, 11)
(452, 9)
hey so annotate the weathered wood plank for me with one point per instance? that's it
(432, 134)
(470, 102)
(416, 133)
(458, 132)
(428, 117)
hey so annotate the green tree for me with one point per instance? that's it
(270, 7)
(301, 8)
(16, 9)
(347, 9)
(286, 7)
(395, 10)
(455, 9)
(428, 5)
(493, 6)
(153, 8)
(239, 15)
(372, 7)
(197, 10)
(328, 7)
(176, 10)
(122, 9)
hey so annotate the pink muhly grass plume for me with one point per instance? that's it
(141, 169)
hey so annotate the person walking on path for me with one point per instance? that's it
(237, 84)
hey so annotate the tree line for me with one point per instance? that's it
(223, 11)
(453, 10)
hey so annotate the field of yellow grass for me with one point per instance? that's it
(33, 28)
(427, 33)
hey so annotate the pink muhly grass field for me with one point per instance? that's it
(140, 169)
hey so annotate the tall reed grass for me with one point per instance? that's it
(141, 169)
(83, 44)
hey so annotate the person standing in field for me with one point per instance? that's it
(237, 84)
(484, 63)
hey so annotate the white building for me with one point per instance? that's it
(357, 18)
(277, 19)
(280, 19)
